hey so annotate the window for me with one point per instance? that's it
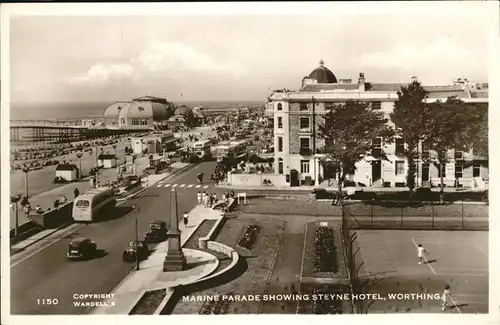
(280, 122)
(476, 170)
(400, 167)
(304, 166)
(376, 105)
(400, 146)
(280, 144)
(280, 107)
(425, 151)
(459, 154)
(329, 106)
(304, 124)
(304, 143)
(280, 166)
(376, 147)
(458, 170)
(303, 107)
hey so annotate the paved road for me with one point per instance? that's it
(48, 275)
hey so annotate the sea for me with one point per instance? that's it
(87, 110)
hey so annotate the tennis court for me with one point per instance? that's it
(387, 264)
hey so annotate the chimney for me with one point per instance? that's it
(361, 81)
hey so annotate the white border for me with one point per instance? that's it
(256, 8)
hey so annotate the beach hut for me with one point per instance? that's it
(67, 172)
(107, 160)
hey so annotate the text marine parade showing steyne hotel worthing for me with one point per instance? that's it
(299, 152)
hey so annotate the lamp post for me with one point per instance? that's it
(26, 171)
(136, 207)
(14, 200)
(79, 156)
(114, 148)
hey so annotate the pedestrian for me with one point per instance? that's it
(76, 192)
(27, 208)
(56, 204)
(224, 198)
(205, 199)
(231, 194)
(63, 199)
(199, 198)
(185, 218)
(38, 209)
(25, 201)
(210, 200)
(444, 298)
(420, 253)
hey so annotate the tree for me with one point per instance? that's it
(190, 121)
(410, 119)
(452, 125)
(348, 131)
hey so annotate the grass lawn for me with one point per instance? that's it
(253, 281)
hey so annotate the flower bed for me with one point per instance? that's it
(326, 306)
(249, 236)
(216, 307)
(325, 259)
(149, 302)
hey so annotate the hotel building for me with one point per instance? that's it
(295, 116)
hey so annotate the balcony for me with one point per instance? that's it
(305, 151)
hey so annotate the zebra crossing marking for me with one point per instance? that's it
(206, 186)
(175, 185)
(182, 185)
(190, 185)
(198, 186)
(166, 185)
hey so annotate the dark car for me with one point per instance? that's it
(157, 232)
(81, 248)
(135, 249)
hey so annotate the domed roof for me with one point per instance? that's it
(115, 109)
(322, 74)
(183, 110)
(143, 109)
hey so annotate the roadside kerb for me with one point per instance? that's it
(119, 202)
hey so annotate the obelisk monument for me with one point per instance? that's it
(175, 259)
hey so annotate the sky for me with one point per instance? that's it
(212, 57)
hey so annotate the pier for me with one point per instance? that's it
(45, 131)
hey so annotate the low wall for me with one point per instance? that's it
(256, 179)
(202, 241)
(55, 217)
(26, 230)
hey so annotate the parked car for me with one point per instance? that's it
(135, 249)
(81, 248)
(157, 232)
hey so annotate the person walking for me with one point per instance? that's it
(76, 192)
(199, 198)
(63, 199)
(185, 219)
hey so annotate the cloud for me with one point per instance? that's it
(176, 57)
(441, 51)
(102, 73)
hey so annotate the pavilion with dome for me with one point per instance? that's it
(142, 111)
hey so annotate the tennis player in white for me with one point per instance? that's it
(420, 253)
(444, 298)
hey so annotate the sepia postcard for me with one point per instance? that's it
(284, 161)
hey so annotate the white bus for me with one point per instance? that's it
(203, 149)
(222, 150)
(93, 204)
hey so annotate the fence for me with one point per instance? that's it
(416, 216)
(412, 217)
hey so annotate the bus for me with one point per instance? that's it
(222, 150)
(93, 204)
(238, 147)
(203, 149)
